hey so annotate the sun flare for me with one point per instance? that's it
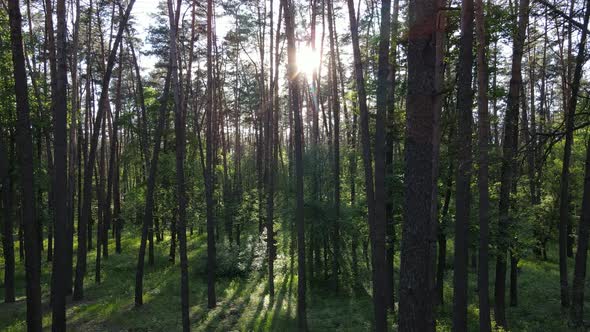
(308, 60)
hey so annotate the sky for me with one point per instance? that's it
(143, 10)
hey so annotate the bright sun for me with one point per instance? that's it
(307, 60)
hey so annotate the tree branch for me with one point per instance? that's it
(565, 16)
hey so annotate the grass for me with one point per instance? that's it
(243, 303)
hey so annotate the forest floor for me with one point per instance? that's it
(243, 303)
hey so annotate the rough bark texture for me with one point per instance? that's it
(378, 229)
(565, 222)
(584, 225)
(376, 219)
(464, 167)
(336, 145)
(7, 225)
(298, 147)
(577, 312)
(180, 151)
(25, 156)
(389, 168)
(60, 175)
(508, 163)
(482, 173)
(73, 151)
(416, 309)
(210, 155)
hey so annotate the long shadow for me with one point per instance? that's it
(110, 305)
(280, 300)
(252, 321)
(244, 289)
(290, 286)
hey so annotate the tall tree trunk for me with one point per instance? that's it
(271, 158)
(100, 178)
(577, 312)
(209, 180)
(565, 222)
(148, 215)
(180, 152)
(441, 264)
(483, 170)
(336, 145)
(60, 145)
(143, 137)
(51, 55)
(25, 155)
(389, 168)
(89, 165)
(110, 219)
(464, 169)
(508, 163)
(422, 146)
(376, 220)
(584, 224)
(294, 99)
(73, 151)
(7, 230)
(84, 236)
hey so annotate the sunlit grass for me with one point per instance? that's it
(243, 300)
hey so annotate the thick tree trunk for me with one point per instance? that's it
(60, 173)
(294, 105)
(464, 169)
(577, 312)
(565, 222)
(389, 168)
(25, 155)
(7, 229)
(584, 224)
(483, 170)
(508, 163)
(180, 152)
(416, 303)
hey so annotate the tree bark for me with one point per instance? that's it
(60, 175)
(25, 155)
(418, 246)
(209, 180)
(89, 165)
(298, 147)
(508, 163)
(376, 216)
(180, 152)
(483, 170)
(7, 229)
(148, 215)
(336, 145)
(584, 224)
(464, 169)
(73, 152)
